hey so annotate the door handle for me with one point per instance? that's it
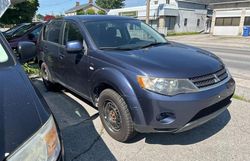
(61, 56)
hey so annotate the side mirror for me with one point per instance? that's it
(31, 36)
(163, 35)
(74, 46)
(26, 51)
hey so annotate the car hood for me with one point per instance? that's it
(20, 117)
(172, 60)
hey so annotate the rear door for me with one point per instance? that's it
(50, 47)
(74, 65)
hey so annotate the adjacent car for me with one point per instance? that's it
(28, 129)
(138, 80)
(15, 29)
(26, 33)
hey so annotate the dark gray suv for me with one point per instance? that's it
(27, 127)
(138, 80)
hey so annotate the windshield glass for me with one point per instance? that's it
(15, 28)
(5, 59)
(21, 31)
(123, 34)
(3, 55)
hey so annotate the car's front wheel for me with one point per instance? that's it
(115, 116)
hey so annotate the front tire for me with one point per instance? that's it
(115, 116)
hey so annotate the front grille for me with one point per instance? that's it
(210, 79)
(211, 109)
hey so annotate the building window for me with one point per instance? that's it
(198, 22)
(170, 22)
(185, 21)
(227, 21)
(247, 21)
(167, 1)
(156, 2)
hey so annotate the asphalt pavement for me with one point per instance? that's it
(225, 138)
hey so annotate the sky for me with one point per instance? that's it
(60, 6)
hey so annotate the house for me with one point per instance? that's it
(82, 9)
(230, 17)
(170, 15)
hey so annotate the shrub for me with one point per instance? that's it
(90, 12)
(101, 12)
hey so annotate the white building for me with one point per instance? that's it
(171, 15)
(230, 17)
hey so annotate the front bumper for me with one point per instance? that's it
(186, 111)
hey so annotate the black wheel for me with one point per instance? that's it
(47, 78)
(115, 116)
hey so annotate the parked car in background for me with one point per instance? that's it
(28, 129)
(138, 80)
(27, 33)
(14, 29)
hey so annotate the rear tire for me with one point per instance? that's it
(46, 76)
(115, 116)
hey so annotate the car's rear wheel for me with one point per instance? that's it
(115, 116)
(46, 76)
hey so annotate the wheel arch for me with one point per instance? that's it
(113, 79)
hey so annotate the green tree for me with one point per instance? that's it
(90, 12)
(20, 13)
(80, 12)
(110, 4)
(101, 12)
(40, 16)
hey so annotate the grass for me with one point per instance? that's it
(182, 33)
(241, 98)
(31, 68)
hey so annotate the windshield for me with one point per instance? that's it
(15, 28)
(5, 60)
(21, 31)
(123, 34)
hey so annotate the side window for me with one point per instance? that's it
(52, 31)
(72, 33)
(36, 32)
(137, 32)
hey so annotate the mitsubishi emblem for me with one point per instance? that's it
(216, 79)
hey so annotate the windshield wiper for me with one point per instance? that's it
(154, 44)
(115, 48)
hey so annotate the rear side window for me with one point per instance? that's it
(52, 31)
(72, 33)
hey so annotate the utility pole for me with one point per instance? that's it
(148, 11)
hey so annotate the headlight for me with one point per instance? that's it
(43, 146)
(167, 86)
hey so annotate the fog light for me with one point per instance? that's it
(166, 118)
